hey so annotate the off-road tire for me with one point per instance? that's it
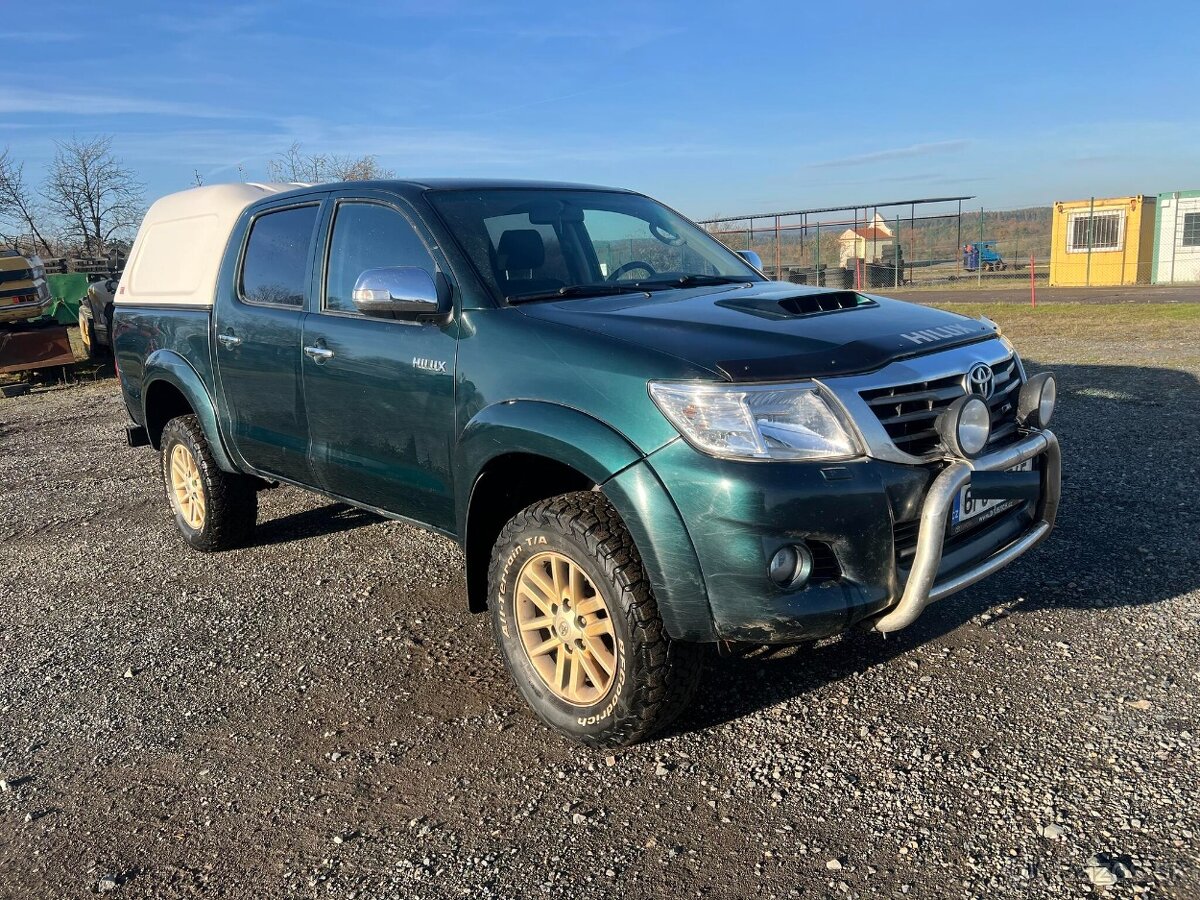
(655, 676)
(230, 501)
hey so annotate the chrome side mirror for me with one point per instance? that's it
(400, 292)
(751, 257)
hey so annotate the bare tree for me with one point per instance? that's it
(92, 193)
(19, 213)
(294, 164)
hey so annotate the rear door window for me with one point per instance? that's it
(275, 266)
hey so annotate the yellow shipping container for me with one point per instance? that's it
(1098, 242)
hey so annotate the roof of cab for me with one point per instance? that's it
(408, 186)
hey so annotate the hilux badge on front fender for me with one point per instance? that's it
(430, 365)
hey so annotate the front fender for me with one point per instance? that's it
(614, 464)
(170, 367)
(541, 429)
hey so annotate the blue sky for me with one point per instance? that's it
(716, 108)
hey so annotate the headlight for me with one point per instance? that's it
(965, 426)
(1035, 404)
(794, 421)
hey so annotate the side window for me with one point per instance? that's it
(275, 268)
(368, 236)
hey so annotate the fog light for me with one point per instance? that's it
(965, 426)
(1035, 404)
(791, 566)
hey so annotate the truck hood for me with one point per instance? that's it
(770, 331)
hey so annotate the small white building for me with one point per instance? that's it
(1177, 238)
(865, 242)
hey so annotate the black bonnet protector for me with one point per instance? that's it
(856, 356)
(770, 331)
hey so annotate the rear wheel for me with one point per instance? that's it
(579, 628)
(214, 509)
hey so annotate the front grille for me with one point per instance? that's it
(908, 411)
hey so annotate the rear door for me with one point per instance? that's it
(380, 392)
(258, 324)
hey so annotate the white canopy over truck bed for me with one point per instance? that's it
(178, 250)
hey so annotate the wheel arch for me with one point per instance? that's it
(515, 453)
(173, 388)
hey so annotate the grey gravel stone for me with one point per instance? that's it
(252, 672)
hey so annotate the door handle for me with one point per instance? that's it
(229, 340)
(318, 354)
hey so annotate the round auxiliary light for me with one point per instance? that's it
(965, 426)
(1035, 403)
(791, 566)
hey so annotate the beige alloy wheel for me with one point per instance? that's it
(187, 492)
(566, 629)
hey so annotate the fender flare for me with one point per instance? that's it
(615, 466)
(170, 367)
(539, 428)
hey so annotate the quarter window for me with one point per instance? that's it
(275, 267)
(1191, 229)
(369, 236)
(1105, 230)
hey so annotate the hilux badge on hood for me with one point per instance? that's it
(929, 335)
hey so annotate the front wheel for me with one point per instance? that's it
(214, 509)
(578, 625)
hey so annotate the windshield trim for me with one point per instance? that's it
(493, 291)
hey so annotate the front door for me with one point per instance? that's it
(379, 392)
(257, 329)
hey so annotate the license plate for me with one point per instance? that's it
(969, 509)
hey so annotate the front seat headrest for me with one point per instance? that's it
(520, 249)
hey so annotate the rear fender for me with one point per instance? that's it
(170, 367)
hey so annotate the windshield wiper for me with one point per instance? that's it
(579, 290)
(688, 280)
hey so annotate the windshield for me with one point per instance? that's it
(542, 244)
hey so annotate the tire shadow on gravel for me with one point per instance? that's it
(323, 520)
(1125, 536)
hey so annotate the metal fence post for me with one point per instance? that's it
(818, 253)
(896, 255)
(979, 262)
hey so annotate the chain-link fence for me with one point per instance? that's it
(931, 242)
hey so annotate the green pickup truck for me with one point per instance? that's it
(641, 443)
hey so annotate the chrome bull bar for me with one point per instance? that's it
(922, 588)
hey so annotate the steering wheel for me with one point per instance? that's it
(630, 266)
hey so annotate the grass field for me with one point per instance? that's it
(1089, 334)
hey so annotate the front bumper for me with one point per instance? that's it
(738, 514)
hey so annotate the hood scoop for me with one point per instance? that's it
(806, 304)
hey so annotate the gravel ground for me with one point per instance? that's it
(316, 715)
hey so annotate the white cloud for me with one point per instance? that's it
(912, 150)
(27, 100)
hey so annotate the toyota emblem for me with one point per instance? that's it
(981, 381)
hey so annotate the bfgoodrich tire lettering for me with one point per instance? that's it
(653, 677)
(223, 507)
